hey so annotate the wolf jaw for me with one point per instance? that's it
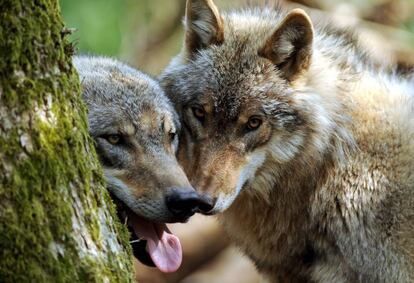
(326, 204)
(152, 242)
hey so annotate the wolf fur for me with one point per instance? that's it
(306, 147)
(125, 104)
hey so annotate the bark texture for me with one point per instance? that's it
(56, 219)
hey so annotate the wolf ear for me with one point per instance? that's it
(204, 26)
(290, 46)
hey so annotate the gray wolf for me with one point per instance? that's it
(304, 145)
(135, 128)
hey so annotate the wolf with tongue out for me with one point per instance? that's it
(135, 130)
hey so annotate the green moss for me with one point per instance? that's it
(45, 156)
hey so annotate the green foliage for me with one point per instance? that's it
(409, 25)
(99, 24)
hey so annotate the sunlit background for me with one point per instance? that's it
(147, 33)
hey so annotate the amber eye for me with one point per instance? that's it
(254, 123)
(114, 139)
(172, 135)
(199, 113)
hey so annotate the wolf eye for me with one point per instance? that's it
(114, 139)
(254, 123)
(199, 112)
(172, 135)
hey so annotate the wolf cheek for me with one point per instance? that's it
(247, 172)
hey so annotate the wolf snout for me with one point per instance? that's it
(184, 202)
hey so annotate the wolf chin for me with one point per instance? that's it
(305, 145)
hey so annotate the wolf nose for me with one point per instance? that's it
(183, 203)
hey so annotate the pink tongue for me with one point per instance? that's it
(163, 247)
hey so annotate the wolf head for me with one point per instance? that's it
(239, 85)
(135, 129)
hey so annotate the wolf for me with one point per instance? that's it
(135, 127)
(304, 145)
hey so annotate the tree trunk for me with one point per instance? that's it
(56, 219)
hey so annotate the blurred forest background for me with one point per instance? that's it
(147, 33)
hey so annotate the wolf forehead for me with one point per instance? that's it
(114, 89)
(232, 86)
(231, 72)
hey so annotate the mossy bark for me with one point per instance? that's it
(56, 220)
